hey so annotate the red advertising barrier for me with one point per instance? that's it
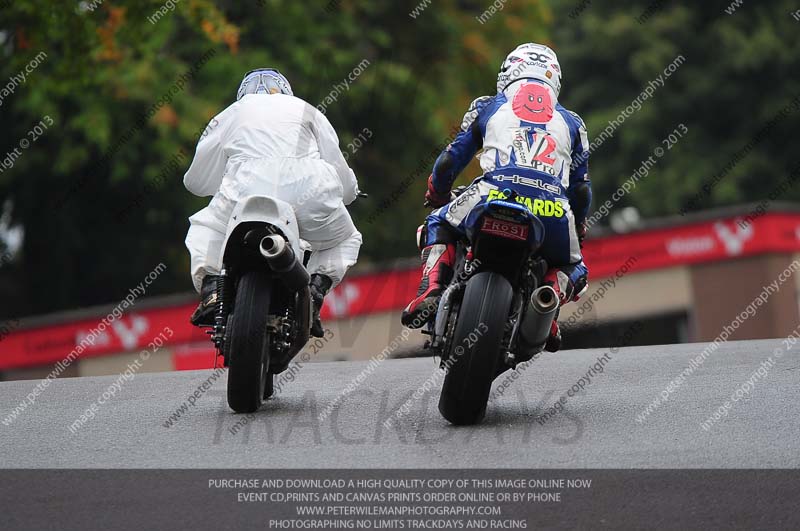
(131, 332)
(366, 294)
(391, 290)
(694, 243)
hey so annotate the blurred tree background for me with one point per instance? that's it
(110, 145)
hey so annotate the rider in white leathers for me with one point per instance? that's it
(273, 144)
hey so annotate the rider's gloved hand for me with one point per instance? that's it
(433, 198)
(581, 229)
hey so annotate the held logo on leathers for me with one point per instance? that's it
(538, 207)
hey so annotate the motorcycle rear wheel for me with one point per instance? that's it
(248, 366)
(475, 349)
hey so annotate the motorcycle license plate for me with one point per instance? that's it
(505, 229)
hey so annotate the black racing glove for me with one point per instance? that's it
(581, 229)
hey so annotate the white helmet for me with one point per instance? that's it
(530, 61)
(264, 81)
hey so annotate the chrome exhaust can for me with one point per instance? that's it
(541, 311)
(281, 259)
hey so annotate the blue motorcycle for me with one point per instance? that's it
(496, 312)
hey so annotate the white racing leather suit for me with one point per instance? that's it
(277, 146)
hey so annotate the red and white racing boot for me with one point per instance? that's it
(564, 288)
(438, 259)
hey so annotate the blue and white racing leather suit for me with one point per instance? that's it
(532, 145)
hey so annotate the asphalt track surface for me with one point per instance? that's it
(597, 428)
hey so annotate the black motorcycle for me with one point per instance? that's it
(263, 314)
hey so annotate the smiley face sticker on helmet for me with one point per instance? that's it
(533, 103)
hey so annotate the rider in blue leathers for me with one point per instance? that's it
(530, 144)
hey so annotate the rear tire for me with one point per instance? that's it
(249, 344)
(484, 313)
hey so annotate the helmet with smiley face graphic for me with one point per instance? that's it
(530, 61)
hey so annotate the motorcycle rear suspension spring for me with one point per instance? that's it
(223, 299)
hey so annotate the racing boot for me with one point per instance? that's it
(320, 284)
(438, 259)
(204, 313)
(553, 343)
(565, 289)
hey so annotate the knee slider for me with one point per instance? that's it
(580, 286)
(422, 235)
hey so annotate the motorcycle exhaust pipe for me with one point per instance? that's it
(281, 258)
(542, 308)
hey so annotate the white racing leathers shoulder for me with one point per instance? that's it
(277, 146)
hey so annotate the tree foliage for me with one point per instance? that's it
(112, 147)
(739, 74)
